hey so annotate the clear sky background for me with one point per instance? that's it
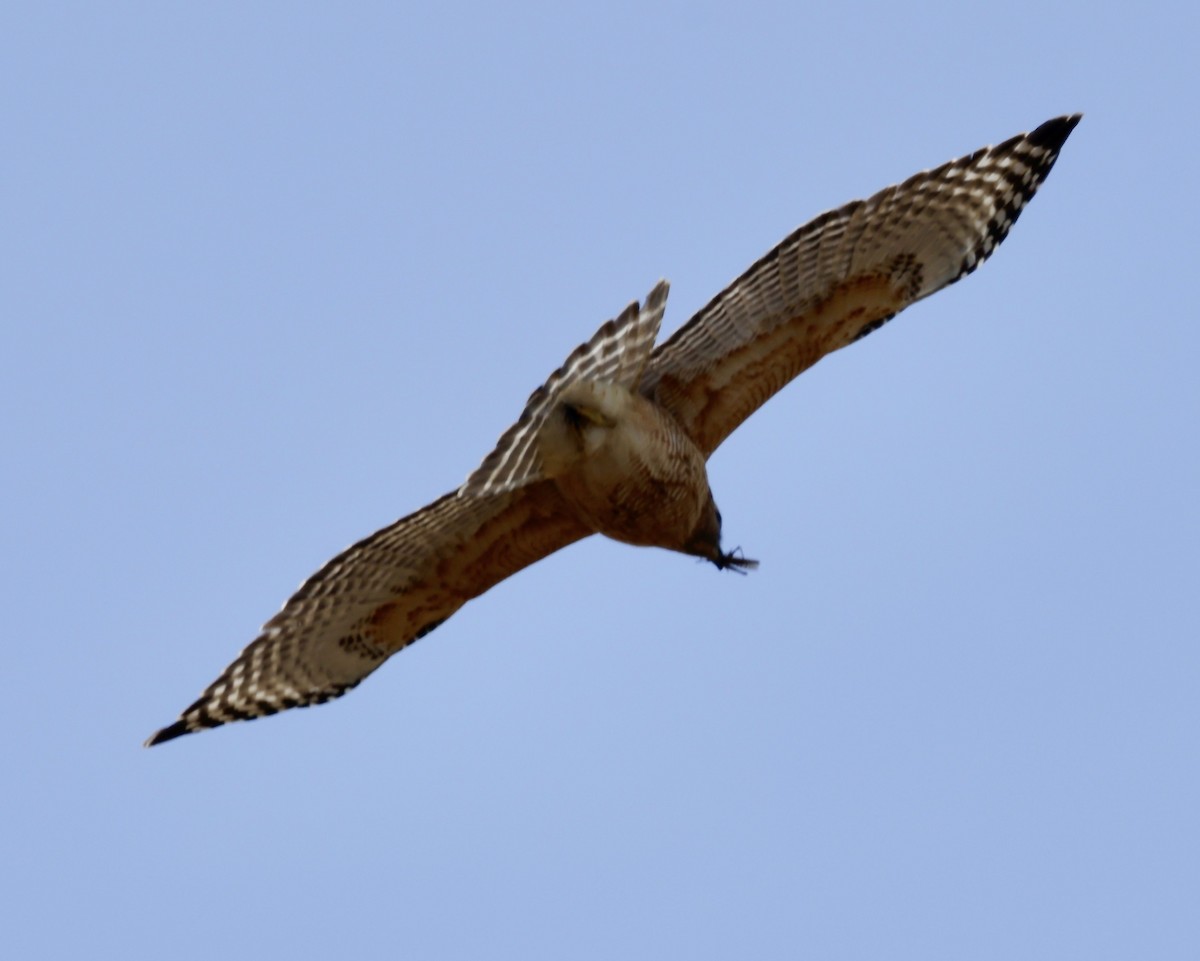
(273, 275)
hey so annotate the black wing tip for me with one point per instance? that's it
(169, 733)
(1053, 133)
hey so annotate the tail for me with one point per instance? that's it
(617, 353)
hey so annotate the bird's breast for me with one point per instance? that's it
(625, 466)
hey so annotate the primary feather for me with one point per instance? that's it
(627, 428)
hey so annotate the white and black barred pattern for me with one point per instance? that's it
(829, 283)
(617, 353)
(841, 276)
(377, 597)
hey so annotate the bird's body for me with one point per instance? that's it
(624, 466)
(616, 441)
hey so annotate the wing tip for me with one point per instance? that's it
(1053, 133)
(168, 733)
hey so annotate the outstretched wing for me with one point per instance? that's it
(840, 277)
(617, 353)
(379, 596)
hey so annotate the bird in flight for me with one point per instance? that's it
(616, 440)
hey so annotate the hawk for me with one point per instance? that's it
(615, 442)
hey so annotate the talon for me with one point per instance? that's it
(735, 561)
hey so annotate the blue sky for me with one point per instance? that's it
(274, 275)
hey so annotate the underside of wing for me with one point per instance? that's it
(617, 353)
(841, 276)
(379, 596)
